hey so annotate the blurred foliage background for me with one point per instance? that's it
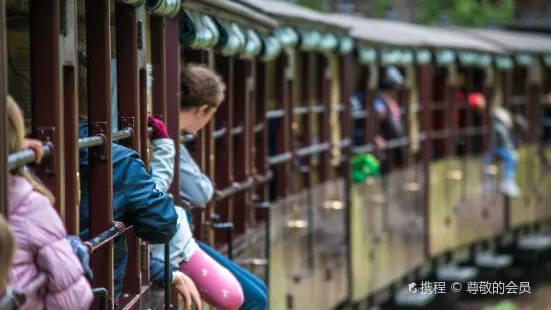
(470, 13)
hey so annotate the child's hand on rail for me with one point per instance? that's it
(36, 146)
(380, 142)
(187, 289)
(159, 128)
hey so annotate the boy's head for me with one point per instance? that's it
(202, 91)
(504, 116)
(392, 79)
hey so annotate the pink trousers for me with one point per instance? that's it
(217, 286)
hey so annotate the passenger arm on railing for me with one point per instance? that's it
(149, 210)
(195, 186)
(36, 146)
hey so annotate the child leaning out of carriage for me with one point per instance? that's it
(503, 147)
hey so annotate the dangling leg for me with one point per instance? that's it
(254, 290)
(509, 185)
(217, 286)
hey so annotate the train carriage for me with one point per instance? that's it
(299, 112)
(309, 155)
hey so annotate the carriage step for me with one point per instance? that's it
(456, 273)
(416, 300)
(492, 260)
(534, 243)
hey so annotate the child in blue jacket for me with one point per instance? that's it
(136, 200)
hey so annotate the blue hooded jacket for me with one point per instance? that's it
(136, 201)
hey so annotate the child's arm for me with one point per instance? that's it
(67, 287)
(162, 163)
(149, 210)
(195, 186)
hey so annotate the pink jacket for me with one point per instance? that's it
(41, 247)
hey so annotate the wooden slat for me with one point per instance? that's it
(129, 117)
(98, 50)
(70, 120)
(46, 91)
(173, 97)
(3, 116)
(224, 146)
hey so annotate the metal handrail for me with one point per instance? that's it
(237, 130)
(94, 141)
(280, 158)
(22, 158)
(273, 114)
(26, 157)
(219, 133)
(314, 149)
(188, 137)
(113, 232)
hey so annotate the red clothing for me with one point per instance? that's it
(474, 99)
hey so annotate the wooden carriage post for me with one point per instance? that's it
(347, 126)
(70, 117)
(426, 99)
(128, 101)
(98, 47)
(223, 144)
(3, 116)
(46, 92)
(506, 89)
(241, 141)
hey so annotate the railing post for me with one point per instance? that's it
(347, 123)
(426, 98)
(46, 95)
(3, 116)
(98, 50)
(129, 117)
(70, 119)
(172, 72)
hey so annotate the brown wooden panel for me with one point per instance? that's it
(70, 121)
(126, 29)
(46, 92)
(98, 48)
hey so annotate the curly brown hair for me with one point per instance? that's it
(82, 80)
(200, 85)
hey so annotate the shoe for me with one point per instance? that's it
(510, 189)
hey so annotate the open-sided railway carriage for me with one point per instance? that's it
(279, 150)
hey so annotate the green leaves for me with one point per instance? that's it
(467, 12)
(312, 4)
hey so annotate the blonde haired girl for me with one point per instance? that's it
(40, 235)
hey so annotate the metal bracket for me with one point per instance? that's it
(328, 274)
(47, 136)
(290, 301)
(100, 129)
(128, 122)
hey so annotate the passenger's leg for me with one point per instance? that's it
(510, 158)
(509, 185)
(218, 287)
(255, 291)
(487, 162)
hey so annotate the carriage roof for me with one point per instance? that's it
(413, 35)
(515, 41)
